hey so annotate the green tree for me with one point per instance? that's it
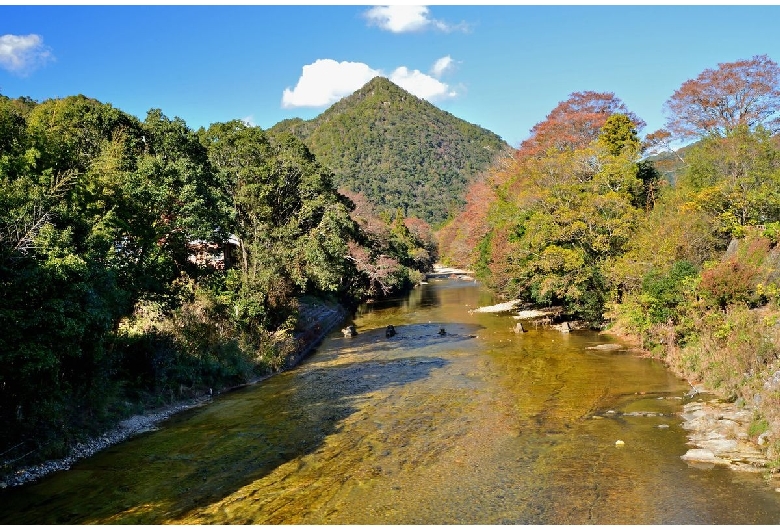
(735, 179)
(566, 216)
(59, 304)
(291, 224)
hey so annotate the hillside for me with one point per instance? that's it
(670, 164)
(399, 150)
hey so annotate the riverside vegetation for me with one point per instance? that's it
(142, 263)
(683, 262)
(108, 226)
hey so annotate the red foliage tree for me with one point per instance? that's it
(459, 238)
(382, 272)
(574, 123)
(729, 282)
(420, 230)
(745, 92)
(734, 280)
(365, 215)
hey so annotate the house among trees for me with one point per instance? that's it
(213, 255)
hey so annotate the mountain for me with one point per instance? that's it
(670, 164)
(400, 151)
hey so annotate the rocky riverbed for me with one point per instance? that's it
(718, 434)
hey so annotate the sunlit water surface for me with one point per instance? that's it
(478, 426)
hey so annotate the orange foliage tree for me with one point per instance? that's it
(575, 123)
(745, 92)
(458, 240)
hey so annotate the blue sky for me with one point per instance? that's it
(503, 67)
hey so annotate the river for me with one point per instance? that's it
(477, 426)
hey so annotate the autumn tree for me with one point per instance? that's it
(459, 239)
(472, 239)
(688, 236)
(463, 241)
(424, 252)
(388, 254)
(562, 218)
(717, 101)
(576, 122)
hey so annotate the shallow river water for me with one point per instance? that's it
(478, 426)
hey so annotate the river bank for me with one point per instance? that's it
(718, 431)
(719, 434)
(316, 320)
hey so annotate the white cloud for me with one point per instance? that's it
(403, 18)
(442, 65)
(420, 84)
(399, 19)
(249, 121)
(326, 81)
(23, 53)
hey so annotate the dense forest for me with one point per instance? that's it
(677, 249)
(398, 150)
(142, 262)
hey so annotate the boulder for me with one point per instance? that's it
(702, 455)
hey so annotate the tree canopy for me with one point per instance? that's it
(575, 122)
(718, 101)
(118, 274)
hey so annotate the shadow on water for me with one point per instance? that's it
(412, 337)
(415, 299)
(204, 455)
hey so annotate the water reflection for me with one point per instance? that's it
(418, 298)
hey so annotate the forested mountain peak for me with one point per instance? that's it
(402, 152)
(380, 90)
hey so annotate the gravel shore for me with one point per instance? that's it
(126, 429)
(318, 320)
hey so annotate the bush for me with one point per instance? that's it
(729, 282)
(665, 292)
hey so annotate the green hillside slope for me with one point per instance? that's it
(399, 150)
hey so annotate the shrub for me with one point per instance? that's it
(729, 282)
